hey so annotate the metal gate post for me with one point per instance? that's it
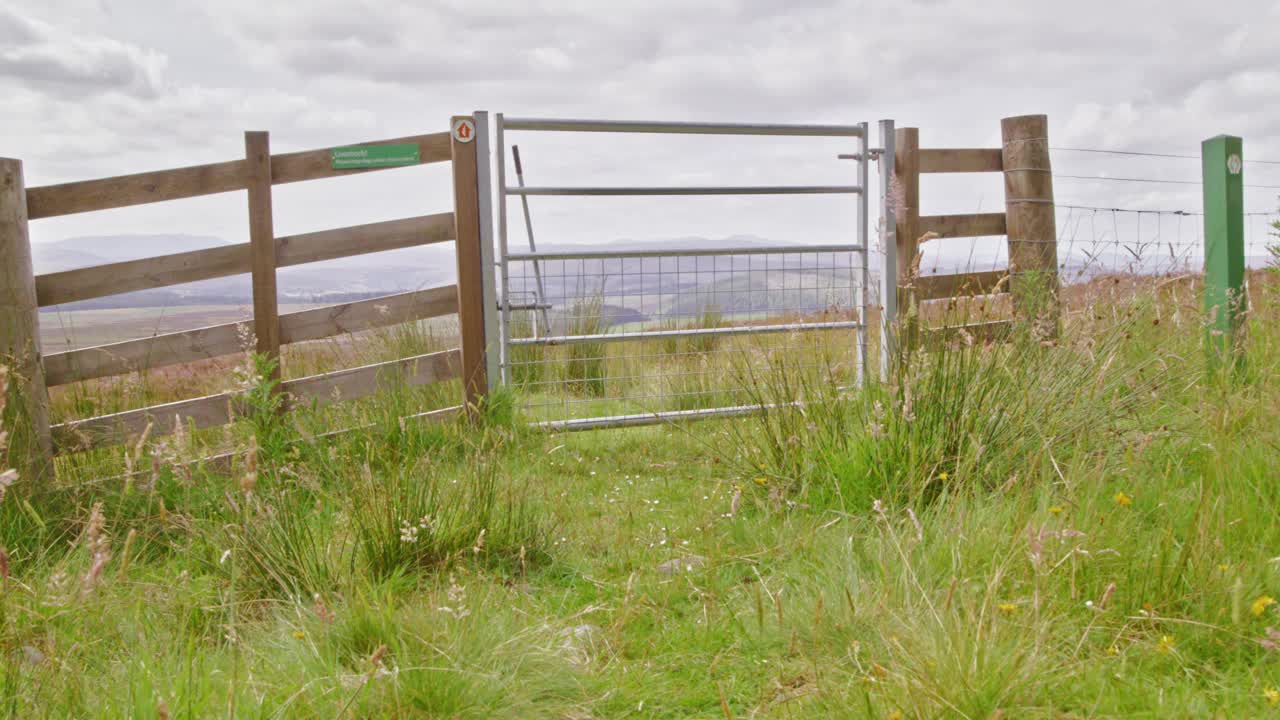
(503, 264)
(494, 350)
(889, 246)
(864, 160)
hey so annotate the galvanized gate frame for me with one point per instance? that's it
(498, 304)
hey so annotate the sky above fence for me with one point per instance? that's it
(102, 87)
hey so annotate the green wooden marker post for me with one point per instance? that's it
(1222, 161)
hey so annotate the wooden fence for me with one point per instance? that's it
(256, 174)
(1028, 221)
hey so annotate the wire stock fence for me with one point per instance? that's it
(662, 332)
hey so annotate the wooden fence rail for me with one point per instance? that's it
(261, 257)
(219, 340)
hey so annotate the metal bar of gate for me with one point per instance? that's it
(686, 333)
(533, 247)
(684, 252)
(704, 190)
(503, 264)
(681, 128)
(863, 164)
(889, 246)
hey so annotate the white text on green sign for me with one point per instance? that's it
(374, 156)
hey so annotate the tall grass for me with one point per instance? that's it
(586, 361)
(1079, 527)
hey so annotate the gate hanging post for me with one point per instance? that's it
(1225, 300)
(889, 246)
(30, 444)
(1030, 222)
(470, 258)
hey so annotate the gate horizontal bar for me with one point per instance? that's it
(690, 332)
(706, 190)
(679, 128)
(654, 418)
(682, 252)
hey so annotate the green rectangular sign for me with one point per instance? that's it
(374, 156)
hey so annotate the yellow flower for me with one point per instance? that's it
(944, 476)
(1055, 509)
(1113, 651)
(1007, 608)
(762, 481)
(895, 715)
(1123, 500)
(299, 635)
(1261, 604)
(1166, 644)
(1272, 696)
(1224, 567)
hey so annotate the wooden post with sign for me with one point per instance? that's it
(466, 216)
(30, 450)
(1225, 300)
(262, 241)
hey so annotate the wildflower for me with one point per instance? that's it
(895, 715)
(1055, 509)
(1224, 567)
(1272, 696)
(762, 481)
(299, 635)
(1007, 608)
(1166, 644)
(1261, 604)
(944, 476)
(1123, 500)
(1113, 651)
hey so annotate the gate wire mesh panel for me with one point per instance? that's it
(634, 333)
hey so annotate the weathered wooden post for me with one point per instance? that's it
(1030, 221)
(906, 202)
(471, 269)
(1225, 300)
(30, 449)
(262, 241)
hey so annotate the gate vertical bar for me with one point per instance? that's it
(864, 205)
(467, 245)
(504, 266)
(20, 330)
(494, 350)
(889, 246)
(1222, 160)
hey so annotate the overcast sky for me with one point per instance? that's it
(104, 87)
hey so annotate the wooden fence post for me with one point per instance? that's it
(906, 170)
(1030, 223)
(262, 241)
(30, 450)
(466, 218)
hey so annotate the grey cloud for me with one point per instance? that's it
(38, 55)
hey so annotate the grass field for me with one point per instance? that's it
(1080, 528)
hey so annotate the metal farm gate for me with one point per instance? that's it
(591, 338)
